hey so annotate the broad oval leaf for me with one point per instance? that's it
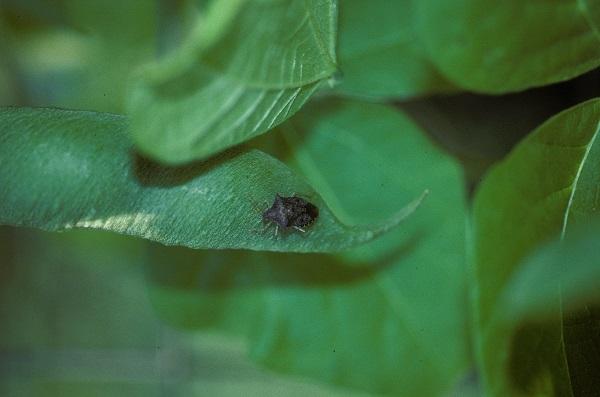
(547, 184)
(64, 169)
(388, 317)
(380, 53)
(509, 45)
(247, 67)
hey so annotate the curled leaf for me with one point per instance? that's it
(64, 169)
(246, 68)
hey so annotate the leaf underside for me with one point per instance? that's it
(64, 169)
(246, 68)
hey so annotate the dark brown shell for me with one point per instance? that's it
(289, 212)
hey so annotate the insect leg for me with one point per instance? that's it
(299, 229)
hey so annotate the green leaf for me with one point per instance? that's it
(547, 184)
(118, 37)
(509, 45)
(565, 271)
(84, 59)
(378, 318)
(63, 169)
(35, 12)
(380, 53)
(571, 262)
(247, 67)
(9, 88)
(591, 11)
(77, 321)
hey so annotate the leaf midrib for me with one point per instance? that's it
(496, 309)
(588, 148)
(562, 237)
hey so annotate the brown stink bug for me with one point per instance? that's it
(291, 213)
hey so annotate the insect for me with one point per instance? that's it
(291, 213)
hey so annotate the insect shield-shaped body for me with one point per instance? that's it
(291, 213)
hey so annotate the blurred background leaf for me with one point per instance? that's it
(571, 263)
(549, 183)
(565, 271)
(591, 10)
(75, 54)
(121, 36)
(380, 53)
(387, 318)
(76, 321)
(499, 47)
(246, 67)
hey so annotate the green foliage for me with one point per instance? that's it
(570, 263)
(84, 174)
(359, 319)
(494, 294)
(84, 56)
(591, 11)
(547, 184)
(85, 327)
(381, 54)
(119, 36)
(247, 67)
(510, 45)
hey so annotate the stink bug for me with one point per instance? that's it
(291, 213)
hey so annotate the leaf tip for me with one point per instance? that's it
(401, 215)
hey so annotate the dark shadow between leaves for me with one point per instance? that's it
(536, 363)
(481, 129)
(8, 252)
(581, 335)
(150, 173)
(218, 271)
